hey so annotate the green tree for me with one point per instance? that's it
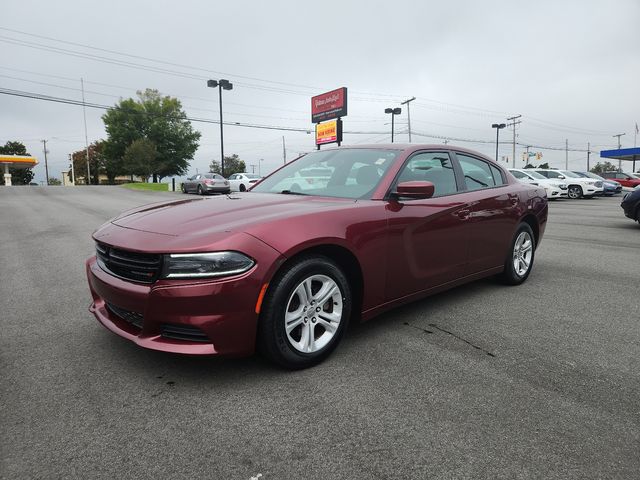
(232, 165)
(604, 167)
(159, 119)
(54, 181)
(528, 165)
(96, 163)
(140, 157)
(544, 165)
(19, 176)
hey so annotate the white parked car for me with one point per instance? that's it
(554, 188)
(578, 187)
(240, 182)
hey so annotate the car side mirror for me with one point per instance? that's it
(415, 189)
(562, 176)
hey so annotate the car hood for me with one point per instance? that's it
(225, 213)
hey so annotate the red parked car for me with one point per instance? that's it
(285, 267)
(623, 179)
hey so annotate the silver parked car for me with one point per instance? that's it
(203, 183)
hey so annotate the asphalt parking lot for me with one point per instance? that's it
(485, 381)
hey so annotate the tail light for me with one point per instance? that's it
(208, 181)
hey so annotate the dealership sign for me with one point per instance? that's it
(329, 132)
(329, 105)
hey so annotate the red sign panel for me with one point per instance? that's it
(329, 105)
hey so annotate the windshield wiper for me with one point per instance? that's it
(292, 192)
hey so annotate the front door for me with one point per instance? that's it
(427, 237)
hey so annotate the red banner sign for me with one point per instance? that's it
(329, 105)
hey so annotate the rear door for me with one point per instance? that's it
(493, 213)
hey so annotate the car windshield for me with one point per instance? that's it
(535, 175)
(342, 173)
(567, 173)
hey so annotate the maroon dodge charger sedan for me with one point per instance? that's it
(284, 267)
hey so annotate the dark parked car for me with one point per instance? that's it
(631, 204)
(285, 270)
(624, 179)
(204, 183)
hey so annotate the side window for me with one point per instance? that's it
(544, 174)
(497, 175)
(434, 167)
(552, 174)
(477, 173)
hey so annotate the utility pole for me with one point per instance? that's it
(284, 151)
(588, 154)
(253, 168)
(73, 172)
(86, 138)
(566, 154)
(406, 102)
(619, 145)
(527, 155)
(46, 166)
(513, 124)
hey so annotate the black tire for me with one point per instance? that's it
(511, 275)
(184, 190)
(243, 188)
(273, 340)
(574, 192)
(200, 191)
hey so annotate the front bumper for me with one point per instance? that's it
(189, 317)
(556, 193)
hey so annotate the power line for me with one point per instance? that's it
(68, 101)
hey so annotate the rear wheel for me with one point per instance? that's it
(305, 313)
(519, 261)
(184, 190)
(200, 191)
(574, 191)
(243, 188)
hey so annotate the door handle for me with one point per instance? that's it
(463, 214)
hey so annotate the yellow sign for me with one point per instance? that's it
(327, 132)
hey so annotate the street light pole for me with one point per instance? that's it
(227, 85)
(393, 112)
(498, 127)
(619, 145)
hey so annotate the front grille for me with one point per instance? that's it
(133, 318)
(139, 267)
(184, 332)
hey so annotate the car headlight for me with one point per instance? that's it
(205, 265)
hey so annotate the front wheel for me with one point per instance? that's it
(242, 188)
(520, 257)
(574, 191)
(200, 191)
(305, 313)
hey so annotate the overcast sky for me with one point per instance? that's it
(570, 68)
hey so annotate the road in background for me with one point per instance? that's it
(485, 381)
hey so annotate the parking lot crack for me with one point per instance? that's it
(462, 339)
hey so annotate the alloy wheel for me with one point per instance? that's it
(313, 313)
(522, 254)
(574, 192)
